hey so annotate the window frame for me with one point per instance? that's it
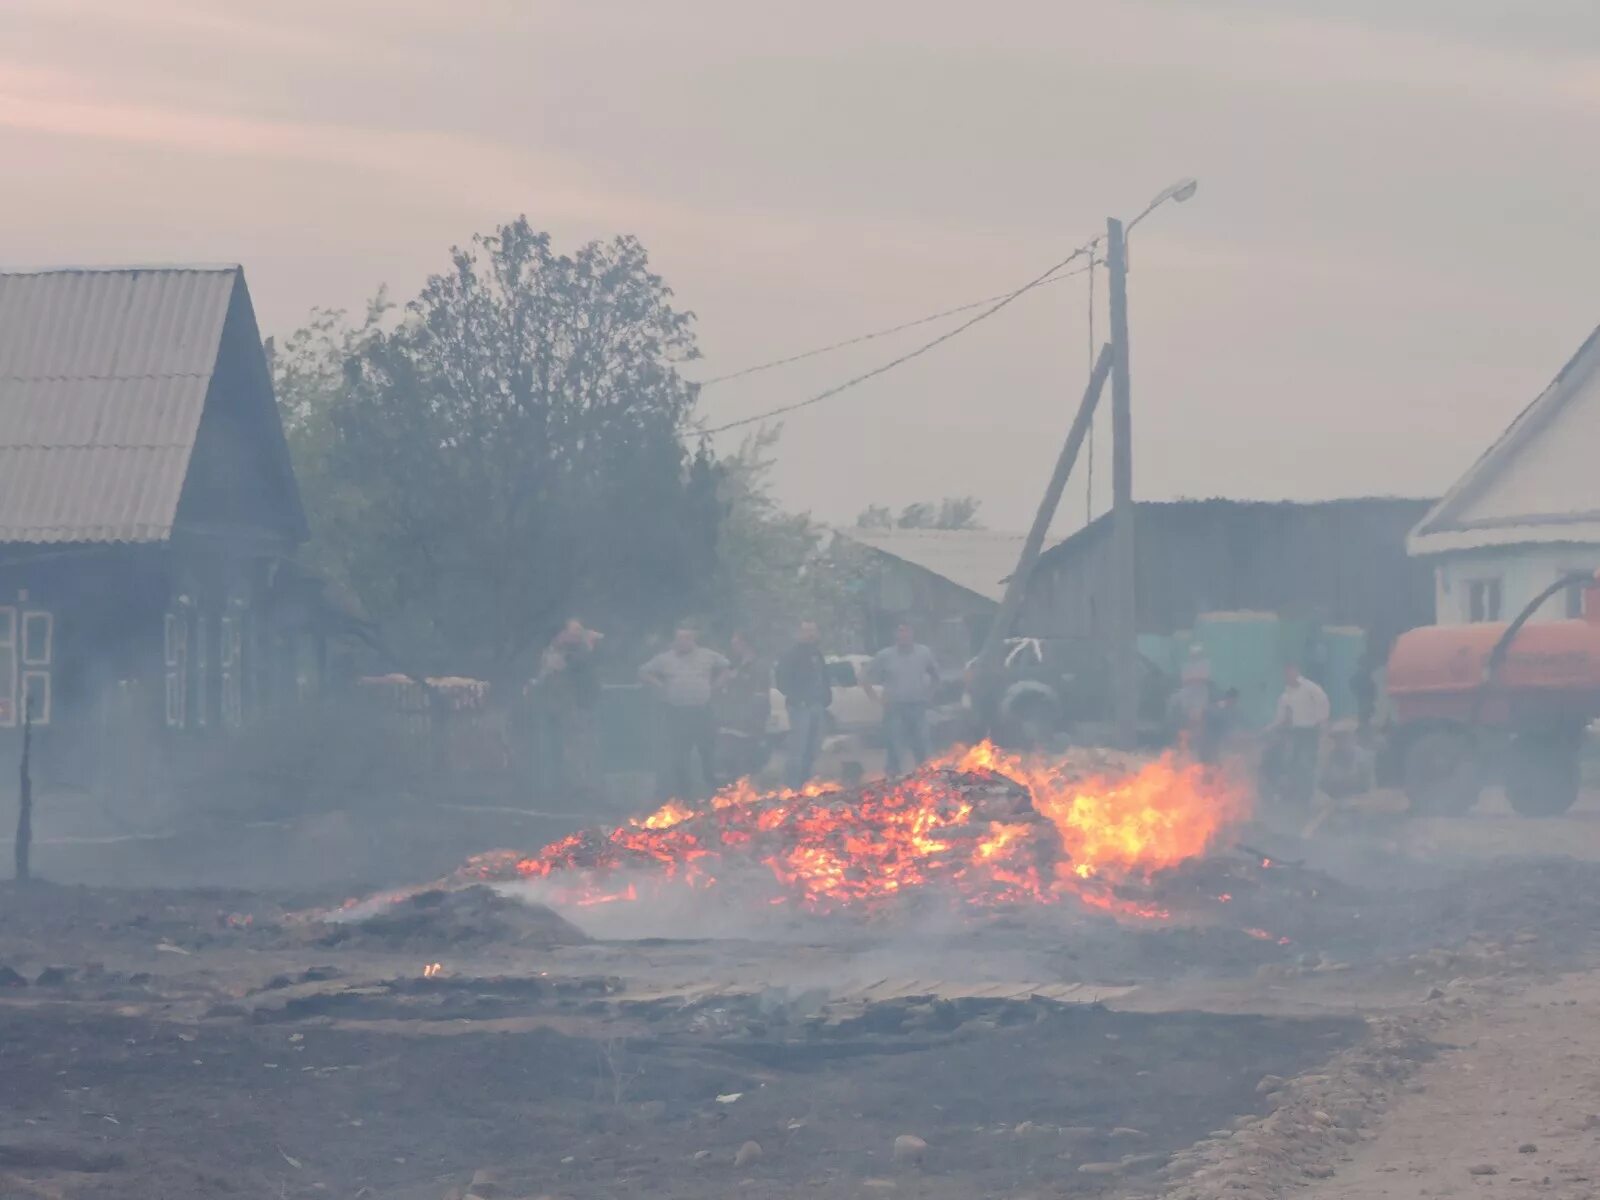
(1492, 587)
(10, 627)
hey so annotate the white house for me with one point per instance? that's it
(1528, 512)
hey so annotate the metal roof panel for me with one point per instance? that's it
(103, 378)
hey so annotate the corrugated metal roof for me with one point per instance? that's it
(979, 560)
(103, 377)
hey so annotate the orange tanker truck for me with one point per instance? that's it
(1508, 701)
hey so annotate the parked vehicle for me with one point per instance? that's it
(1477, 702)
(1055, 686)
(852, 710)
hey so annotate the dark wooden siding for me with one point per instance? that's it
(1343, 562)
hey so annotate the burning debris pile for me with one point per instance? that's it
(980, 826)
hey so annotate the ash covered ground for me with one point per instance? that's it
(467, 1040)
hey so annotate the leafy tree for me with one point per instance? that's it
(953, 512)
(509, 453)
(310, 374)
(777, 568)
(875, 516)
(958, 512)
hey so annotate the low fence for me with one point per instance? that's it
(457, 726)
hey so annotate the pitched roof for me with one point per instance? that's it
(978, 560)
(1538, 482)
(104, 375)
(1194, 516)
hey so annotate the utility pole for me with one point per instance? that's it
(987, 667)
(1124, 560)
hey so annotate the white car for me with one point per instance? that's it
(852, 709)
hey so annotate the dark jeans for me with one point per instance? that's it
(905, 733)
(805, 739)
(1300, 765)
(577, 732)
(688, 730)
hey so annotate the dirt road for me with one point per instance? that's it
(1509, 1111)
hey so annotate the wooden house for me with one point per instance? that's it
(148, 517)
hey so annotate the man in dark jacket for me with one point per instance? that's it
(802, 677)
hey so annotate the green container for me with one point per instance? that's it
(1160, 650)
(1244, 651)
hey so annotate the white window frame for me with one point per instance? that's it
(1485, 587)
(41, 714)
(175, 655)
(201, 667)
(35, 617)
(10, 626)
(1572, 596)
(230, 655)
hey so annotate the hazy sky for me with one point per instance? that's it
(1393, 247)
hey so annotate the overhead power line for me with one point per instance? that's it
(869, 337)
(1049, 276)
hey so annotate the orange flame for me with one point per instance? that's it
(993, 827)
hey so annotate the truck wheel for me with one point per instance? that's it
(1542, 775)
(1029, 725)
(1442, 777)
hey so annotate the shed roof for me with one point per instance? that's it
(978, 560)
(1538, 483)
(1192, 515)
(104, 375)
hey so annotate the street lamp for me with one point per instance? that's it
(1124, 561)
(1180, 191)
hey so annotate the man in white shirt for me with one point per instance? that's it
(686, 676)
(1303, 710)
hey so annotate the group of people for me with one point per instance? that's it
(1304, 749)
(714, 708)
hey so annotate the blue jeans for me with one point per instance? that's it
(805, 739)
(905, 732)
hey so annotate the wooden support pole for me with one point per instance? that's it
(987, 666)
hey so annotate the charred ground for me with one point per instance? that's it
(201, 1043)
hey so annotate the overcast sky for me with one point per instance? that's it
(1392, 249)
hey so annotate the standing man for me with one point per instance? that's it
(571, 687)
(1216, 727)
(746, 703)
(1302, 712)
(905, 674)
(1186, 708)
(685, 676)
(802, 677)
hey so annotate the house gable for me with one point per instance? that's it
(1539, 484)
(240, 478)
(114, 384)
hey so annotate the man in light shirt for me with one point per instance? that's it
(905, 675)
(685, 676)
(1303, 710)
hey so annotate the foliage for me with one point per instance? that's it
(309, 375)
(776, 569)
(509, 453)
(953, 512)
